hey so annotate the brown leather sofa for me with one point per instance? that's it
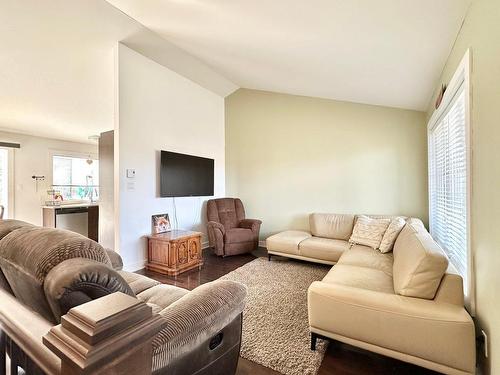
(51, 270)
(229, 233)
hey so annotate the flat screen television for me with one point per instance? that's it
(186, 175)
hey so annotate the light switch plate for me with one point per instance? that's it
(130, 173)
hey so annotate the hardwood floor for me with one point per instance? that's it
(340, 359)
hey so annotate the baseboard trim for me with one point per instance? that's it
(263, 244)
(136, 266)
(205, 245)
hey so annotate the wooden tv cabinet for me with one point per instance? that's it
(174, 252)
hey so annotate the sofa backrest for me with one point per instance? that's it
(337, 226)
(419, 262)
(334, 226)
(7, 226)
(28, 254)
(227, 211)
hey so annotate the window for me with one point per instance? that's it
(449, 176)
(75, 178)
(4, 182)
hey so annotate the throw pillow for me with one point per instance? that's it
(391, 234)
(369, 232)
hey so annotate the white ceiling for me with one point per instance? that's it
(384, 52)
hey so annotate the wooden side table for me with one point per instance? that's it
(174, 252)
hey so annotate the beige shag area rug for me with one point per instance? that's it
(275, 326)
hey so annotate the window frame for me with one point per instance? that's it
(67, 154)
(11, 183)
(460, 79)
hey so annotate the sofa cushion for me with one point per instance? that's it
(364, 256)
(368, 231)
(237, 235)
(419, 262)
(335, 226)
(391, 234)
(287, 242)
(138, 283)
(323, 248)
(161, 296)
(360, 277)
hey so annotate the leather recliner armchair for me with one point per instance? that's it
(229, 232)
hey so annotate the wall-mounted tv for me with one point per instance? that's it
(186, 175)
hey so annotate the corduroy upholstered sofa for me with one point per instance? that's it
(407, 304)
(51, 270)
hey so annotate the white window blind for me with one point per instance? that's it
(448, 183)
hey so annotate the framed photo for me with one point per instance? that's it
(160, 223)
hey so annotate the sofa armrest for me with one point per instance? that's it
(252, 224)
(198, 316)
(451, 289)
(439, 332)
(26, 328)
(216, 236)
(116, 259)
(216, 225)
(76, 281)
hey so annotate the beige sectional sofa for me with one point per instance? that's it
(407, 304)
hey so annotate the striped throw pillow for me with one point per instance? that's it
(391, 234)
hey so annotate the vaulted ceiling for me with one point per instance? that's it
(384, 52)
(57, 64)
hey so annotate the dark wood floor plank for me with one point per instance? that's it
(340, 359)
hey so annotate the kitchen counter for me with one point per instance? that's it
(73, 205)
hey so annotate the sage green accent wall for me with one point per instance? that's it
(481, 33)
(288, 156)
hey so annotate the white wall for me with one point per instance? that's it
(160, 110)
(34, 158)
